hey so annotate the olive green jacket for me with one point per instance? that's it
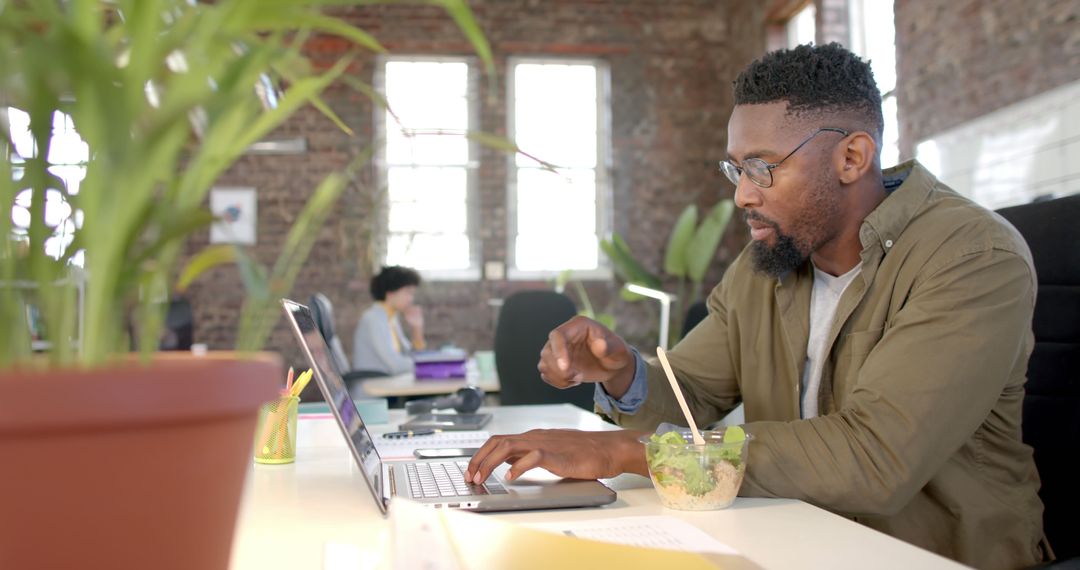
(919, 433)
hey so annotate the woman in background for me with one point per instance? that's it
(380, 342)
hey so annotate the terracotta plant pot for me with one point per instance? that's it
(130, 466)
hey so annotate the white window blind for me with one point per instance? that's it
(558, 211)
(67, 158)
(425, 165)
(802, 28)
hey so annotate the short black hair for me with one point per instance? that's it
(814, 80)
(391, 279)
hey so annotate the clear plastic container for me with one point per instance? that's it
(696, 477)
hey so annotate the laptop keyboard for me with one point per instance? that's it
(447, 479)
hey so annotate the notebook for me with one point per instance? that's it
(403, 448)
(432, 482)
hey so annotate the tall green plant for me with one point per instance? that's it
(162, 91)
(691, 248)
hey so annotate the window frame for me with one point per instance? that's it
(857, 40)
(603, 170)
(382, 167)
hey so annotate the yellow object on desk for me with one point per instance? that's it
(478, 542)
(300, 383)
(276, 441)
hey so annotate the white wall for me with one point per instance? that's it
(1015, 154)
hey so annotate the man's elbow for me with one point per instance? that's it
(885, 499)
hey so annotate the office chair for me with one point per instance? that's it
(1052, 401)
(179, 331)
(524, 322)
(323, 313)
(694, 315)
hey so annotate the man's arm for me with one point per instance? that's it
(703, 366)
(923, 390)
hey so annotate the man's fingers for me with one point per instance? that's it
(478, 457)
(502, 449)
(524, 463)
(557, 343)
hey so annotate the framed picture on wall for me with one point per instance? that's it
(235, 210)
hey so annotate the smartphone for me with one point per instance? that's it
(445, 452)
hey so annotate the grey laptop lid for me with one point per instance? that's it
(520, 496)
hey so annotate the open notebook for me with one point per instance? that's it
(403, 448)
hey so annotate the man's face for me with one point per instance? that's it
(800, 211)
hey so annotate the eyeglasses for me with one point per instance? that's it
(760, 172)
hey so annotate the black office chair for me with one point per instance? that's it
(323, 313)
(1052, 402)
(694, 315)
(525, 320)
(179, 331)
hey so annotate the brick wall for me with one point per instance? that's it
(672, 63)
(958, 60)
(832, 22)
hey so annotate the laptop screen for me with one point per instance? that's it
(337, 395)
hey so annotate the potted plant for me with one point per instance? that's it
(112, 460)
(690, 250)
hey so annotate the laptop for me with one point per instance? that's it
(433, 482)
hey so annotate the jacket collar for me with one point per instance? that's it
(893, 215)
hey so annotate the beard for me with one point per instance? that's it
(780, 258)
(812, 228)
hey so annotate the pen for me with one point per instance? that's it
(300, 383)
(410, 433)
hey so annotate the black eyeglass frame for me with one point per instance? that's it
(736, 172)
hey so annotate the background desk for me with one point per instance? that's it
(408, 385)
(290, 513)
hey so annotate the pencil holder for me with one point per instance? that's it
(275, 441)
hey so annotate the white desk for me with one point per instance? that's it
(290, 512)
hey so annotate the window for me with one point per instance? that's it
(801, 27)
(426, 165)
(873, 37)
(68, 155)
(558, 210)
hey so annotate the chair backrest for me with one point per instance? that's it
(1052, 401)
(525, 320)
(323, 312)
(694, 315)
(179, 332)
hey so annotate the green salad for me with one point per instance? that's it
(690, 467)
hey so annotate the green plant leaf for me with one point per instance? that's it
(675, 257)
(463, 16)
(606, 319)
(278, 20)
(207, 258)
(626, 267)
(702, 248)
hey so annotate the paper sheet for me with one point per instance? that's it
(648, 531)
(402, 448)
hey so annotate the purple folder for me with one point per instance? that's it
(440, 364)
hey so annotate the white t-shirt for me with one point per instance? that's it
(823, 302)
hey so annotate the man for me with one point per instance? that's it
(877, 329)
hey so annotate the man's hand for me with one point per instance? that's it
(583, 350)
(564, 452)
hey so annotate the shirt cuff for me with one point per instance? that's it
(634, 396)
